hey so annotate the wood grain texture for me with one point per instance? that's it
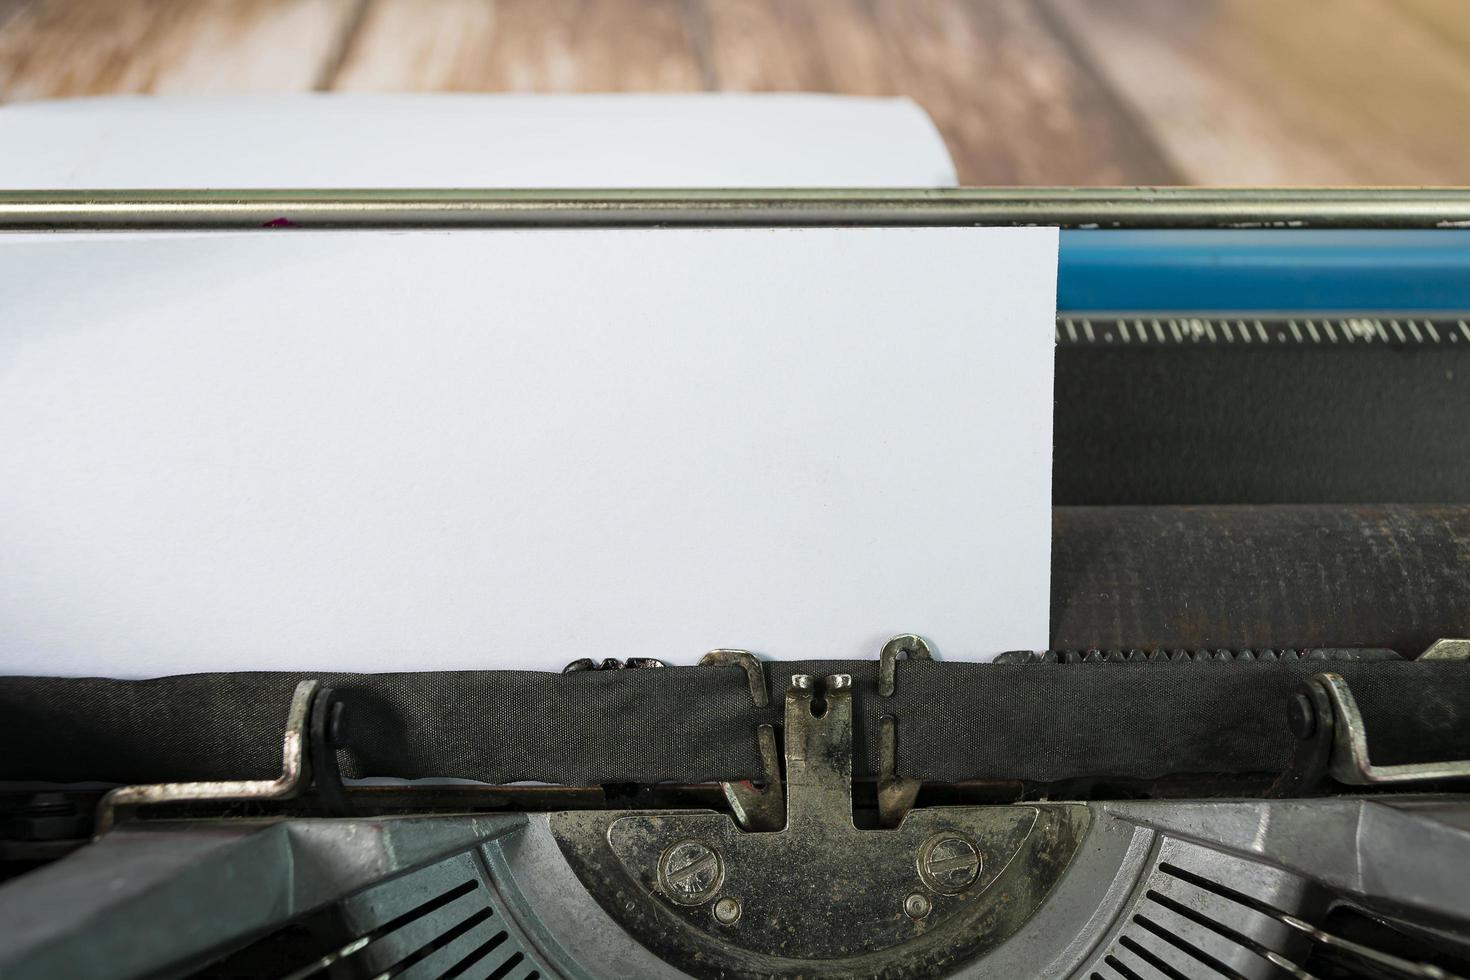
(1024, 91)
(1013, 103)
(524, 46)
(1306, 92)
(60, 48)
(1447, 20)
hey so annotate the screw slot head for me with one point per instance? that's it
(690, 872)
(727, 911)
(949, 863)
(916, 906)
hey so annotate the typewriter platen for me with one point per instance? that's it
(1246, 756)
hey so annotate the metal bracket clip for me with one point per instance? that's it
(756, 806)
(1333, 740)
(896, 795)
(1350, 763)
(309, 746)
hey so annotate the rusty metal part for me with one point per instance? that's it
(1092, 207)
(909, 645)
(757, 805)
(325, 734)
(587, 663)
(314, 731)
(896, 795)
(295, 773)
(611, 663)
(1447, 650)
(1332, 741)
(760, 805)
(822, 897)
(1309, 716)
(746, 661)
(1350, 764)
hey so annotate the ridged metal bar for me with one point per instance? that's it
(1264, 331)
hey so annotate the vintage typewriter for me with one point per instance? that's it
(1246, 755)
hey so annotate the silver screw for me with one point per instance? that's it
(727, 911)
(690, 872)
(916, 906)
(948, 863)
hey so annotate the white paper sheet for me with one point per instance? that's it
(479, 449)
(461, 140)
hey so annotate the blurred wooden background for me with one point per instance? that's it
(1025, 91)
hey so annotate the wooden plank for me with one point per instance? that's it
(1014, 105)
(524, 46)
(1447, 20)
(1263, 92)
(10, 9)
(777, 46)
(55, 48)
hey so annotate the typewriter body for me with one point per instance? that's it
(1246, 755)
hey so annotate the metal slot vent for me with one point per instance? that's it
(439, 922)
(1187, 922)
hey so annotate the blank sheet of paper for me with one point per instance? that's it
(471, 140)
(490, 449)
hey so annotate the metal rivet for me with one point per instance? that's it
(337, 724)
(916, 906)
(690, 872)
(948, 863)
(1301, 717)
(727, 911)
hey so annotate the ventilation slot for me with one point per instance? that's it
(503, 970)
(1171, 935)
(1240, 938)
(439, 921)
(438, 943)
(1146, 956)
(1187, 923)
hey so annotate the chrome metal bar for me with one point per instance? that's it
(1137, 207)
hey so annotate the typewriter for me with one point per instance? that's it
(1245, 756)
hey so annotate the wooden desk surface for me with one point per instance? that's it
(1025, 91)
